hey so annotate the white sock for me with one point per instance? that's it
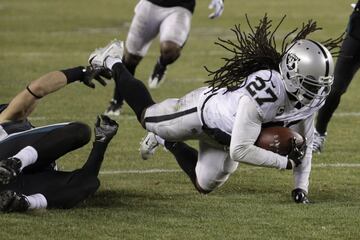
(160, 140)
(110, 62)
(27, 156)
(36, 201)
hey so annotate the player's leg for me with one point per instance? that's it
(143, 29)
(347, 65)
(186, 156)
(176, 119)
(47, 189)
(40, 147)
(59, 142)
(57, 189)
(174, 31)
(134, 91)
(131, 89)
(207, 169)
(214, 167)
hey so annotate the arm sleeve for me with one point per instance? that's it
(302, 172)
(246, 129)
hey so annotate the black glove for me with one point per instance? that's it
(297, 152)
(300, 196)
(95, 73)
(105, 129)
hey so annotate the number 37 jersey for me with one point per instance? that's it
(266, 89)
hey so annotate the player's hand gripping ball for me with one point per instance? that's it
(279, 140)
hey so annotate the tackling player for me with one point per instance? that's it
(346, 67)
(258, 87)
(27, 154)
(171, 19)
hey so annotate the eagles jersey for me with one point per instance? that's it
(11, 127)
(267, 91)
(188, 4)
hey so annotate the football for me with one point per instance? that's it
(278, 139)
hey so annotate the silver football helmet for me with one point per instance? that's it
(307, 69)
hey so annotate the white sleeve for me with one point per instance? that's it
(302, 172)
(246, 129)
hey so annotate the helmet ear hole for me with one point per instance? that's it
(288, 75)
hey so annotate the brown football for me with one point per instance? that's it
(278, 139)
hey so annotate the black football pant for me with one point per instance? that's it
(51, 142)
(347, 65)
(61, 189)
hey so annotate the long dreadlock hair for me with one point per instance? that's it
(256, 50)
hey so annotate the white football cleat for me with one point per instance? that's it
(318, 142)
(114, 49)
(148, 146)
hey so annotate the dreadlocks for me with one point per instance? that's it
(256, 50)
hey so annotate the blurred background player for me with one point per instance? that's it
(171, 19)
(28, 153)
(346, 66)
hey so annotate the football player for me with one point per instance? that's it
(258, 87)
(28, 179)
(171, 19)
(346, 67)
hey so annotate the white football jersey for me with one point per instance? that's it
(266, 89)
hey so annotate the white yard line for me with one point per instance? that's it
(156, 170)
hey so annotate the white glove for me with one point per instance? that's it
(218, 6)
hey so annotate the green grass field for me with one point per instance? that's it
(38, 36)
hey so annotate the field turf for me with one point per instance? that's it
(154, 199)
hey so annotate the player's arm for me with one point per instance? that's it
(25, 102)
(245, 132)
(302, 171)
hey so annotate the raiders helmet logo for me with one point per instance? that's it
(291, 61)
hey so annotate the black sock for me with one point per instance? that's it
(132, 90)
(130, 68)
(95, 159)
(162, 62)
(117, 97)
(186, 157)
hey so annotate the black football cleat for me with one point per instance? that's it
(11, 201)
(114, 108)
(9, 169)
(158, 75)
(300, 196)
